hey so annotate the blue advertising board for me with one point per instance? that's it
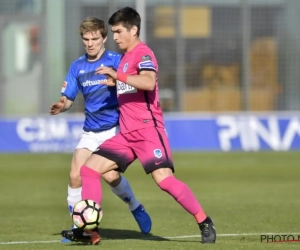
(187, 132)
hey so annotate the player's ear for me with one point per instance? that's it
(134, 30)
(104, 39)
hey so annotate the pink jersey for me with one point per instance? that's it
(138, 108)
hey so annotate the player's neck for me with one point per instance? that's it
(95, 58)
(132, 45)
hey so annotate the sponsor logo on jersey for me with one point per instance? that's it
(147, 65)
(125, 67)
(123, 88)
(88, 83)
(157, 153)
(64, 86)
(81, 71)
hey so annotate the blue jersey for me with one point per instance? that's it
(101, 104)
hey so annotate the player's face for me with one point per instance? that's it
(94, 44)
(124, 38)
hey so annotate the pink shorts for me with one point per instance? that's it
(150, 145)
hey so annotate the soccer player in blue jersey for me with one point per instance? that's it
(101, 116)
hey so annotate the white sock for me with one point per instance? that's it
(74, 196)
(124, 192)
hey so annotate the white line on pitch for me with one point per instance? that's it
(149, 238)
(29, 242)
(222, 235)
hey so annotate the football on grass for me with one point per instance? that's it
(87, 214)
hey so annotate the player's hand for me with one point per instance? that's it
(110, 81)
(57, 107)
(107, 71)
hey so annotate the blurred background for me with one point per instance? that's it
(214, 55)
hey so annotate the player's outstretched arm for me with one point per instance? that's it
(146, 80)
(62, 105)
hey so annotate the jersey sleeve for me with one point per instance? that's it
(145, 60)
(70, 87)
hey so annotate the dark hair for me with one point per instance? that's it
(128, 17)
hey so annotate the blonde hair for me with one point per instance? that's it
(93, 24)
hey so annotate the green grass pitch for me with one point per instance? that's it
(245, 193)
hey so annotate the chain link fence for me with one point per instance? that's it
(214, 56)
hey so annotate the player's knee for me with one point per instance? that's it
(75, 180)
(113, 178)
(160, 174)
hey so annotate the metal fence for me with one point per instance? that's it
(217, 55)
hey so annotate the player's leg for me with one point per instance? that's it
(157, 159)
(118, 183)
(82, 152)
(88, 143)
(90, 173)
(113, 154)
(185, 197)
(120, 186)
(90, 189)
(116, 154)
(74, 188)
(80, 156)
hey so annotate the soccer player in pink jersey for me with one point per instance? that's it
(142, 131)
